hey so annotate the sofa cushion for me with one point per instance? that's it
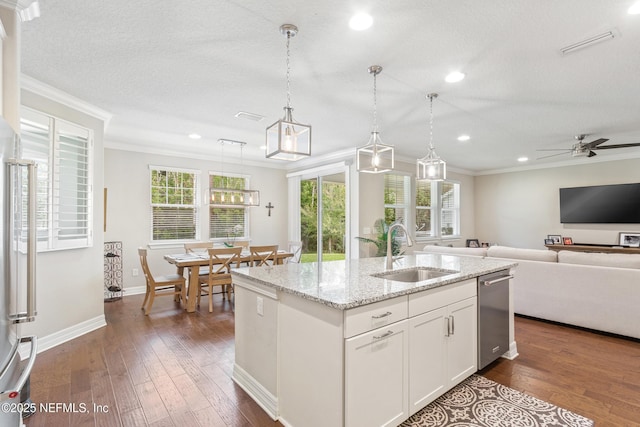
(518, 253)
(481, 252)
(600, 259)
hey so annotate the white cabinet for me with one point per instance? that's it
(442, 342)
(376, 377)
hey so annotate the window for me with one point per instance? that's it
(437, 209)
(63, 152)
(174, 210)
(228, 222)
(397, 190)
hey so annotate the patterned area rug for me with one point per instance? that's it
(480, 402)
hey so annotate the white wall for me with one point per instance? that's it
(126, 178)
(521, 208)
(70, 282)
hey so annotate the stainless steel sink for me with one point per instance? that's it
(414, 275)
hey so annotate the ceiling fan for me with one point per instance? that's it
(586, 149)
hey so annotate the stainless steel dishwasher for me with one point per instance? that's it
(493, 316)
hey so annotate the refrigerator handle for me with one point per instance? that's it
(13, 392)
(32, 241)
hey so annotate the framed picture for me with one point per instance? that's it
(555, 238)
(567, 241)
(629, 239)
(473, 243)
(548, 241)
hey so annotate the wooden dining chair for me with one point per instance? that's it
(263, 255)
(197, 247)
(172, 284)
(295, 247)
(220, 262)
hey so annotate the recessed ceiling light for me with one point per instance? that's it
(634, 9)
(360, 21)
(464, 138)
(454, 76)
(194, 136)
(523, 159)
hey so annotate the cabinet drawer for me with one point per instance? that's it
(423, 302)
(371, 316)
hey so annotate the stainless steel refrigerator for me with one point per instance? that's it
(18, 271)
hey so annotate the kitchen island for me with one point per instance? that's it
(334, 344)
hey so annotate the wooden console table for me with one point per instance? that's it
(595, 248)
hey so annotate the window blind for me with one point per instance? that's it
(174, 210)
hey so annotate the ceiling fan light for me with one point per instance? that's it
(580, 150)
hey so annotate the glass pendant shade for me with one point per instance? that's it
(432, 168)
(288, 140)
(375, 157)
(229, 197)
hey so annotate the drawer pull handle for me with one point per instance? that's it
(385, 335)
(380, 316)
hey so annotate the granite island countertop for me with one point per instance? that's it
(348, 284)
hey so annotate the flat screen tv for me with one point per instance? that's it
(600, 204)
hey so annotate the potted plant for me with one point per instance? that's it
(381, 229)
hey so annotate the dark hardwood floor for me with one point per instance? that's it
(173, 369)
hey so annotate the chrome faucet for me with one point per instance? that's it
(389, 254)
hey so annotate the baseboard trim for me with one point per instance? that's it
(513, 351)
(134, 290)
(67, 334)
(258, 393)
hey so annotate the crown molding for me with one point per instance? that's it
(50, 92)
(27, 10)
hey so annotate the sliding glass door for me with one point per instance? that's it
(323, 217)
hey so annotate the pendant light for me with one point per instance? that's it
(232, 197)
(431, 167)
(375, 157)
(286, 139)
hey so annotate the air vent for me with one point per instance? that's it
(588, 42)
(249, 116)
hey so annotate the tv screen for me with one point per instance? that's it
(601, 204)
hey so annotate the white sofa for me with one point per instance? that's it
(598, 291)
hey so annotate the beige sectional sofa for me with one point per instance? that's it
(598, 291)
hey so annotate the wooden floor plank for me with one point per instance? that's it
(172, 368)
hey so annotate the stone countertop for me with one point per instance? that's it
(348, 284)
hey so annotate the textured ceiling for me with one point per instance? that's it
(165, 69)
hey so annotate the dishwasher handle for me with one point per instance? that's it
(498, 280)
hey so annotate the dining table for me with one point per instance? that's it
(194, 261)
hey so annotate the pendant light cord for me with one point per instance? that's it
(375, 103)
(431, 123)
(288, 72)
(431, 96)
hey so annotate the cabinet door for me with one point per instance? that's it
(462, 347)
(427, 358)
(376, 377)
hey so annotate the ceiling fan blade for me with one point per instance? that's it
(595, 143)
(636, 144)
(551, 155)
(568, 150)
(591, 154)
